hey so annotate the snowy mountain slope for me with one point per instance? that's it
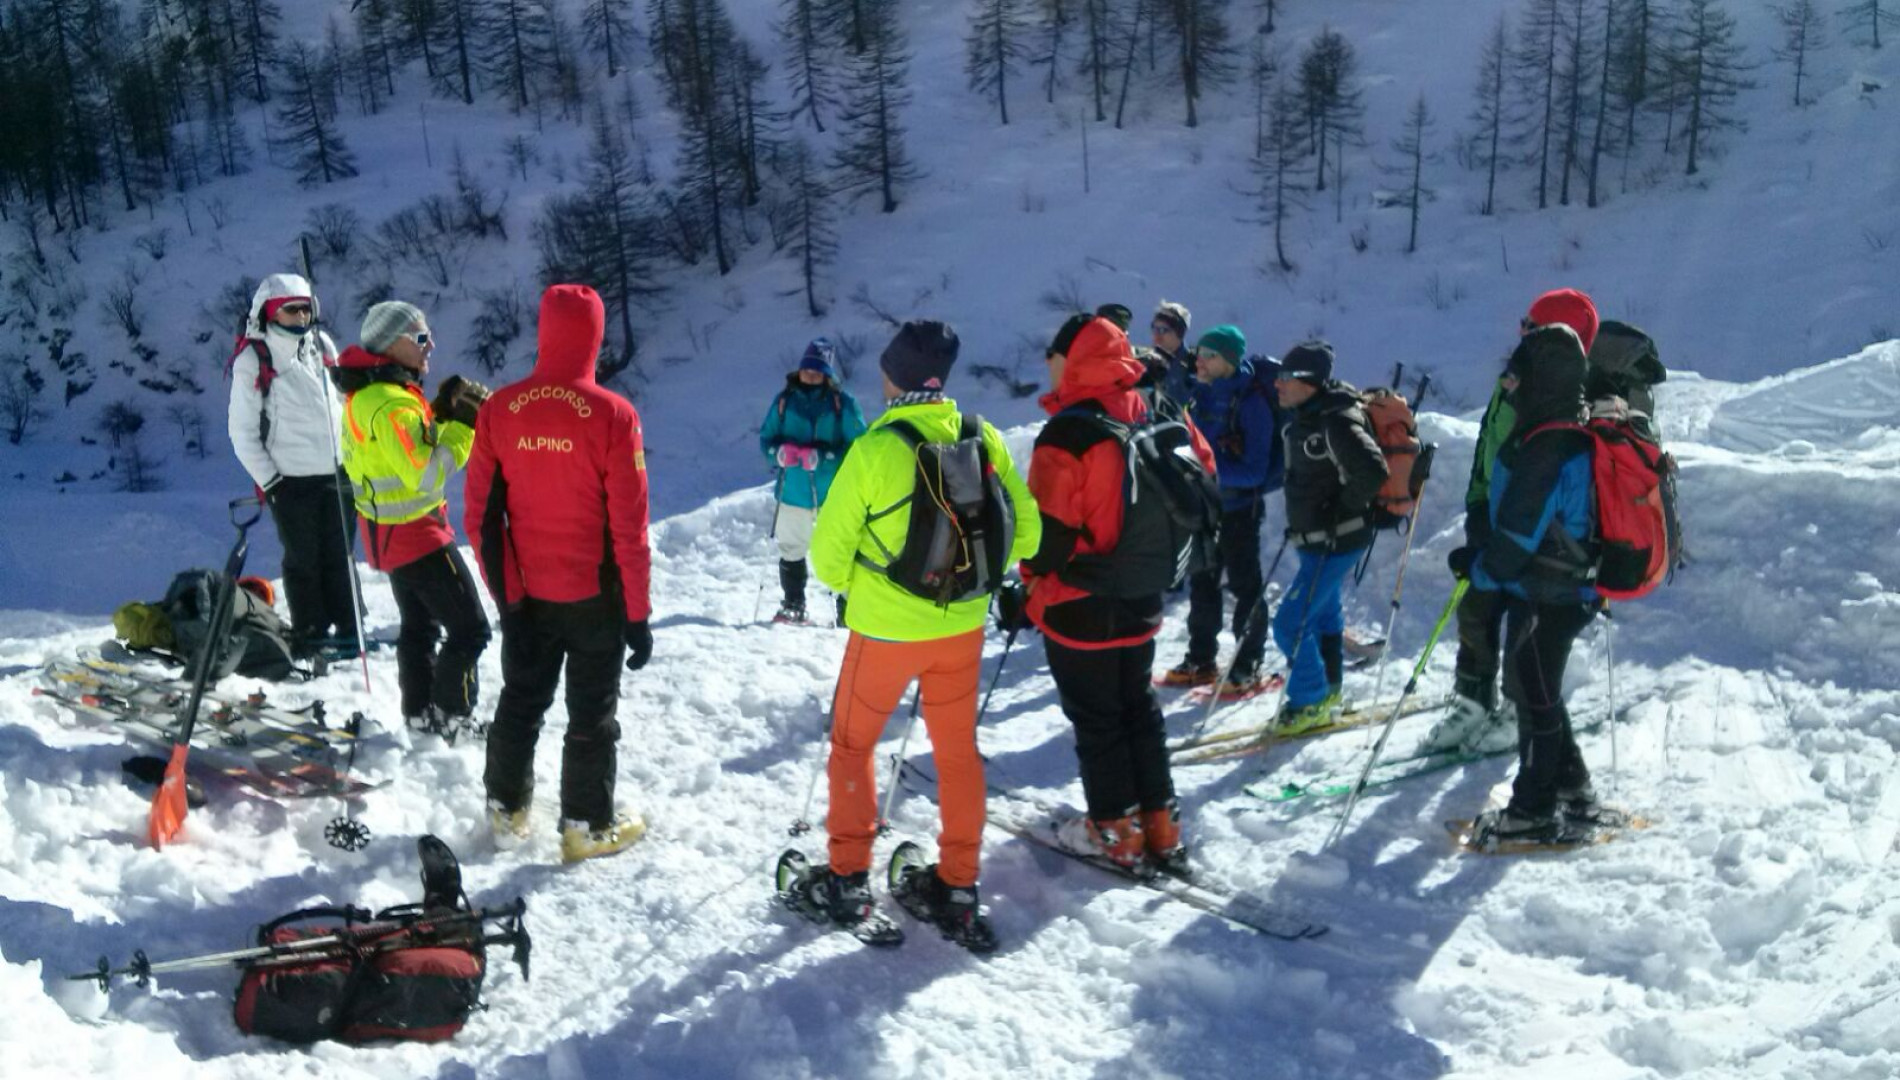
(1749, 933)
(1773, 257)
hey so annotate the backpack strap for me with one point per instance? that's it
(914, 439)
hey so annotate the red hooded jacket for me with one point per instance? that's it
(556, 497)
(1081, 497)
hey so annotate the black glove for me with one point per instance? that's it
(639, 645)
(459, 399)
(1012, 607)
(1460, 561)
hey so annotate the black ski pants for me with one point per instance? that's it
(1480, 622)
(317, 538)
(1240, 563)
(1120, 741)
(536, 643)
(436, 593)
(1537, 643)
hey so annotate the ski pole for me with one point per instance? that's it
(345, 513)
(1411, 686)
(1213, 699)
(168, 804)
(771, 534)
(1609, 662)
(1398, 591)
(1009, 642)
(897, 763)
(802, 823)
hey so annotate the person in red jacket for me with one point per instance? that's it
(1101, 648)
(556, 504)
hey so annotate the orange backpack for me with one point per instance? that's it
(1637, 531)
(1407, 461)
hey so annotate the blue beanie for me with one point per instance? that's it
(818, 357)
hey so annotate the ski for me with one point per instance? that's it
(1267, 685)
(239, 720)
(1240, 742)
(1237, 908)
(792, 888)
(1611, 825)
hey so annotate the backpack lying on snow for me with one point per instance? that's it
(258, 646)
(412, 973)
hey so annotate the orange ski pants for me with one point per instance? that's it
(870, 685)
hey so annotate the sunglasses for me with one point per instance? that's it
(1161, 328)
(1209, 354)
(422, 338)
(296, 309)
(1525, 325)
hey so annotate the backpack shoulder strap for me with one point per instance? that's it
(1077, 428)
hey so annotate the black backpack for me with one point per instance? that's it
(258, 645)
(962, 523)
(1170, 508)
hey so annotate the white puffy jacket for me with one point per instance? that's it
(290, 431)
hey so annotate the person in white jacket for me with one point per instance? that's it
(283, 424)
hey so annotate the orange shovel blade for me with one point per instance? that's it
(168, 806)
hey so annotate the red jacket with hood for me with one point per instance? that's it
(556, 497)
(1081, 497)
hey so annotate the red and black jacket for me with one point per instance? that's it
(1080, 488)
(556, 498)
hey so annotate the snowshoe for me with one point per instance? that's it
(789, 615)
(1187, 673)
(580, 841)
(441, 876)
(954, 911)
(823, 897)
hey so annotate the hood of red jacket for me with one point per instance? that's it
(573, 320)
(1101, 367)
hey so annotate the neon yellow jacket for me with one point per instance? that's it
(400, 461)
(878, 472)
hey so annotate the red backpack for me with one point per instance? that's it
(1638, 538)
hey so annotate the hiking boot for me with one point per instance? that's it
(845, 897)
(1578, 805)
(1191, 673)
(1298, 719)
(1161, 837)
(1508, 825)
(1468, 727)
(509, 826)
(953, 909)
(579, 840)
(1118, 840)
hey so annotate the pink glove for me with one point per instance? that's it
(808, 458)
(787, 455)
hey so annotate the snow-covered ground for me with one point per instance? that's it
(1751, 932)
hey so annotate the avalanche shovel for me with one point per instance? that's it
(169, 806)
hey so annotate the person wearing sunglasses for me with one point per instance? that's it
(1480, 720)
(400, 450)
(1168, 329)
(282, 422)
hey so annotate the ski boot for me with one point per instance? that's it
(510, 827)
(953, 910)
(1300, 719)
(579, 840)
(1469, 727)
(1161, 836)
(1190, 673)
(1118, 840)
(843, 901)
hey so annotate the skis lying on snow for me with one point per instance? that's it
(1385, 773)
(1240, 742)
(1610, 824)
(1034, 826)
(1199, 695)
(276, 753)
